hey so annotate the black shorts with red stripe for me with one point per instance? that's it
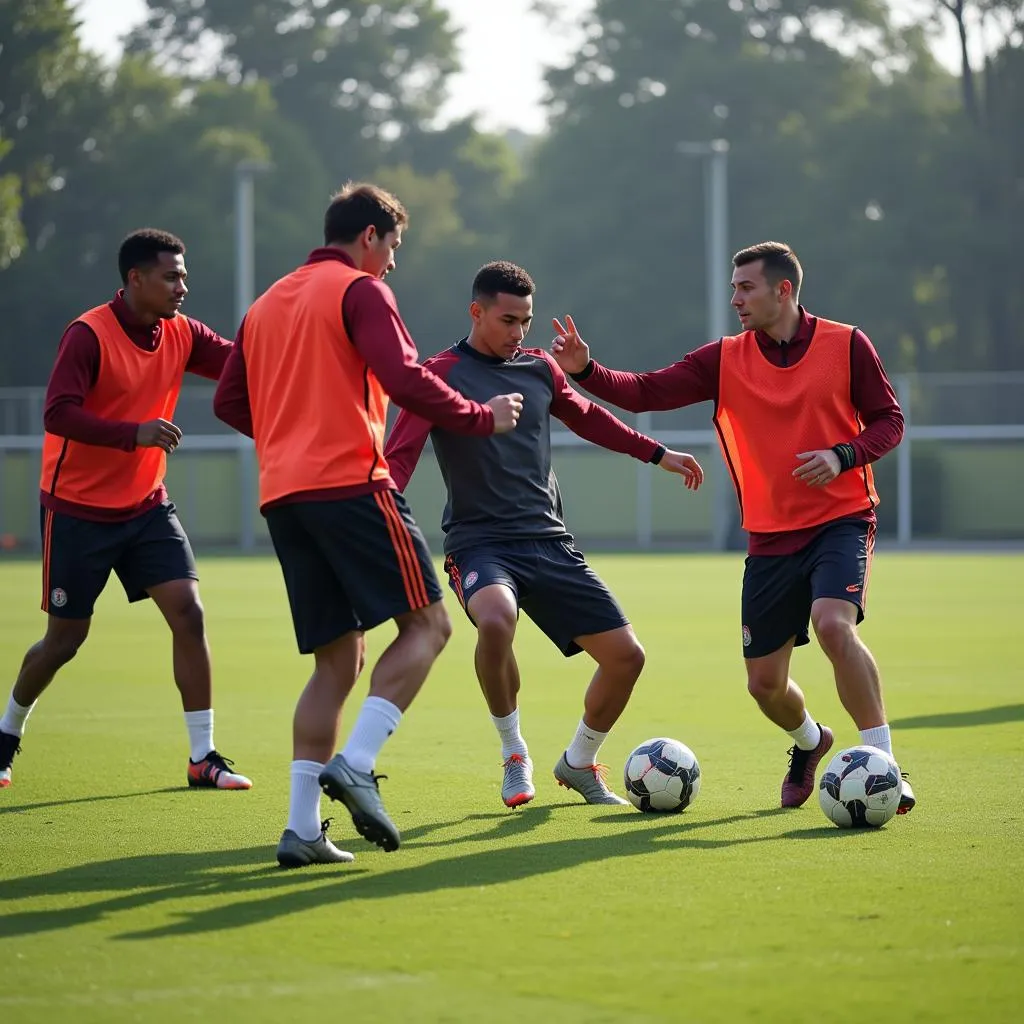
(350, 564)
(80, 554)
(779, 590)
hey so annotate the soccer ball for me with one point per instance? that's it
(662, 776)
(860, 788)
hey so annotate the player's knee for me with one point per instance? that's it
(496, 627)
(434, 624)
(632, 658)
(835, 634)
(62, 646)
(765, 686)
(189, 619)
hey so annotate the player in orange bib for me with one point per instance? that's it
(316, 359)
(109, 422)
(802, 409)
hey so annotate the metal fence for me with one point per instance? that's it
(958, 476)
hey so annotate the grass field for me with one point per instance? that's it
(125, 896)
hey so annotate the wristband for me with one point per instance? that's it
(847, 456)
(585, 372)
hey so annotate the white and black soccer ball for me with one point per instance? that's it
(860, 788)
(662, 776)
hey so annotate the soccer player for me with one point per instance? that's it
(802, 409)
(316, 357)
(109, 428)
(506, 545)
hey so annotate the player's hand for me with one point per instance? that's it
(819, 468)
(158, 434)
(571, 352)
(506, 409)
(685, 465)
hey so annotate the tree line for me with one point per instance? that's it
(899, 183)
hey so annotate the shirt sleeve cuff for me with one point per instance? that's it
(585, 372)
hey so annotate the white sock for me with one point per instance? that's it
(808, 736)
(877, 737)
(378, 719)
(512, 741)
(304, 808)
(15, 717)
(200, 733)
(582, 752)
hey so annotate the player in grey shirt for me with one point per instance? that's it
(506, 544)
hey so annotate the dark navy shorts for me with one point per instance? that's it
(551, 582)
(80, 554)
(350, 564)
(778, 590)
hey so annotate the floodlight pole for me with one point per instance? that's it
(714, 156)
(245, 245)
(245, 286)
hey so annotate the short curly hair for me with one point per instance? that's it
(501, 277)
(142, 248)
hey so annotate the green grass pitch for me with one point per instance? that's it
(126, 897)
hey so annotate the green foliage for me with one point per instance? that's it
(898, 183)
(860, 161)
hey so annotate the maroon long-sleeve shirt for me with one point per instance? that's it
(695, 378)
(374, 326)
(74, 375)
(503, 488)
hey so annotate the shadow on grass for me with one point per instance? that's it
(507, 824)
(963, 719)
(262, 892)
(7, 808)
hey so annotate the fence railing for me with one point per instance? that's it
(954, 477)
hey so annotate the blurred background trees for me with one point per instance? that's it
(899, 183)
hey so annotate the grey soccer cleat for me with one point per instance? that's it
(517, 786)
(295, 852)
(588, 782)
(359, 793)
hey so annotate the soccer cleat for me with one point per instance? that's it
(295, 852)
(907, 801)
(517, 787)
(798, 784)
(589, 782)
(9, 744)
(214, 772)
(359, 792)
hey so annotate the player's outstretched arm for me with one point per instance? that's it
(685, 465)
(378, 333)
(597, 425)
(693, 379)
(210, 352)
